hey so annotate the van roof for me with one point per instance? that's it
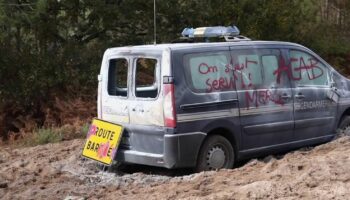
(176, 46)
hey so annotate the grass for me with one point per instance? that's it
(43, 136)
(54, 134)
(47, 135)
(84, 129)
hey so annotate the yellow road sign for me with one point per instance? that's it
(102, 141)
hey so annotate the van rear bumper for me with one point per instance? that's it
(180, 150)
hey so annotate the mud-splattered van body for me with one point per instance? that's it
(210, 104)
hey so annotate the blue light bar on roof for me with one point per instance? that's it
(215, 31)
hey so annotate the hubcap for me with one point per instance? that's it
(216, 158)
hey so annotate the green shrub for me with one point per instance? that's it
(54, 134)
(84, 130)
(44, 136)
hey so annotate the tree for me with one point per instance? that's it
(54, 47)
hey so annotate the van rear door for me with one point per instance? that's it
(146, 105)
(130, 87)
(114, 94)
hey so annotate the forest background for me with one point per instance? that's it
(51, 50)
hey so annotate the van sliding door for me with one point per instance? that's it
(265, 97)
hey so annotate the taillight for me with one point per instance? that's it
(169, 106)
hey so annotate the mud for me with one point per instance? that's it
(57, 171)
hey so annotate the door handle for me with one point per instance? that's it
(299, 96)
(285, 96)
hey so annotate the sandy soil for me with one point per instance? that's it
(56, 171)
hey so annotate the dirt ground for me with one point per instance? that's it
(57, 171)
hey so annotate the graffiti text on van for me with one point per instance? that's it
(222, 83)
(237, 69)
(227, 83)
(204, 68)
(312, 69)
(262, 97)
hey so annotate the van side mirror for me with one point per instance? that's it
(99, 78)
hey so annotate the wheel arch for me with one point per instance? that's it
(346, 112)
(226, 129)
(226, 133)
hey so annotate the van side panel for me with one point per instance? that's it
(203, 111)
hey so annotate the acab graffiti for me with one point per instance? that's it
(313, 70)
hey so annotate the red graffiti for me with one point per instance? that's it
(92, 131)
(204, 68)
(227, 83)
(239, 67)
(236, 75)
(221, 84)
(302, 67)
(103, 150)
(233, 68)
(282, 68)
(262, 97)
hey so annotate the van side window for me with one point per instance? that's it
(117, 77)
(145, 82)
(307, 70)
(208, 72)
(254, 68)
(250, 69)
(243, 69)
(270, 65)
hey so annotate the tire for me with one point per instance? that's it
(215, 153)
(344, 124)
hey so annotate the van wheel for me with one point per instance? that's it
(345, 124)
(216, 153)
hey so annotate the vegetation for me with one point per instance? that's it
(46, 135)
(53, 48)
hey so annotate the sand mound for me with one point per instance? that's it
(57, 171)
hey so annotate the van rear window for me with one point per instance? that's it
(118, 77)
(146, 86)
